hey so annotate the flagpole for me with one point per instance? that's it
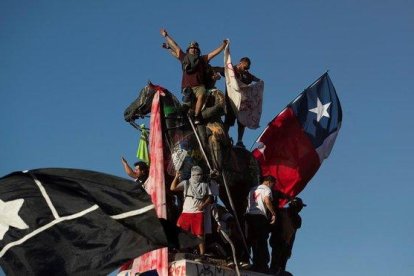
(135, 125)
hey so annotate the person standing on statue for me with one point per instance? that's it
(257, 223)
(197, 195)
(241, 73)
(283, 234)
(194, 67)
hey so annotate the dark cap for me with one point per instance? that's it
(193, 44)
(269, 178)
(297, 201)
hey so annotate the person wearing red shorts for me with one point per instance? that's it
(197, 195)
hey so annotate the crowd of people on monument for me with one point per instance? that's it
(202, 214)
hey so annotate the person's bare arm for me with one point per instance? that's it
(172, 46)
(128, 170)
(207, 200)
(217, 50)
(218, 69)
(269, 206)
(175, 182)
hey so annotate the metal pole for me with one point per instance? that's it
(199, 142)
(233, 250)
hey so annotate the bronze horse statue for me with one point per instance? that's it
(238, 168)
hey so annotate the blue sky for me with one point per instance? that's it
(68, 69)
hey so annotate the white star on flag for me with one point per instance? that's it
(321, 110)
(9, 216)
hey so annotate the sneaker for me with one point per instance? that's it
(214, 174)
(244, 265)
(198, 120)
(200, 258)
(240, 144)
(231, 264)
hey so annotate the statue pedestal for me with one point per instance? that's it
(182, 264)
(187, 267)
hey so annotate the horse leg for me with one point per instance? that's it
(202, 134)
(216, 152)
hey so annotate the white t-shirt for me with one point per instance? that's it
(256, 198)
(190, 201)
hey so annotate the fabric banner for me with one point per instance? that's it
(73, 222)
(245, 100)
(142, 151)
(157, 259)
(250, 110)
(232, 84)
(296, 141)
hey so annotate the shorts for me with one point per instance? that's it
(192, 222)
(199, 90)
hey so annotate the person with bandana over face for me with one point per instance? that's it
(194, 67)
(197, 195)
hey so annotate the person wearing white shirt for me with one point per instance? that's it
(257, 222)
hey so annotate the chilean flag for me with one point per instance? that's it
(296, 141)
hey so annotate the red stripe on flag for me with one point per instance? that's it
(287, 154)
(157, 259)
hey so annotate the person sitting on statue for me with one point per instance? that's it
(208, 221)
(197, 195)
(227, 241)
(194, 68)
(223, 222)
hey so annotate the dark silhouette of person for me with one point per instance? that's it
(283, 234)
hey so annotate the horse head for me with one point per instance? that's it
(141, 106)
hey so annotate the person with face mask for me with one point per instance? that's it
(197, 195)
(194, 67)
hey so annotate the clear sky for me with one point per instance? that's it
(68, 69)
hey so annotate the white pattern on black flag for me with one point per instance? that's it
(74, 222)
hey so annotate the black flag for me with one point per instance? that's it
(71, 222)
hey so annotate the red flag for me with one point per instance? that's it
(155, 186)
(296, 141)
